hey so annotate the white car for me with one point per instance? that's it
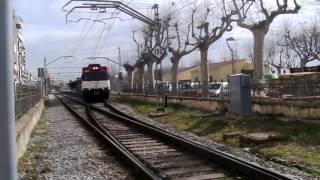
(217, 88)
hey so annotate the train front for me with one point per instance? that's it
(95, 82)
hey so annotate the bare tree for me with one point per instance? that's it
(208, 32)
(178, 51)
(140, 63)
(249, 51)
(144, 50)
(275, 59)
(305, 43)
(129, 68)
(261, 15)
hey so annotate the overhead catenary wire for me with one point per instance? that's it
(82, 32)
(83, 38)
(108, 29)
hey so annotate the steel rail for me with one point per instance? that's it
(237, 164)
(229, 160)
(108, 138)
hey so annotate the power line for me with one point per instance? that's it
(109, 30)
(80, 35)
(82, 39)
(63, 67)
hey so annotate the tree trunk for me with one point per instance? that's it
(279, 70)
(302, 63)
(174, 76)
(258, 36)
(140, 79)
(130, 80)
(204, 71)
(150, 76)
(135, 80)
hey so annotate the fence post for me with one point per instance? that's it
(8, 162)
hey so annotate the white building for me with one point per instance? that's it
(21, 74)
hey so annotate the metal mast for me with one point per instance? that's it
(8, 161)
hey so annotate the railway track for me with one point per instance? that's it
(158, 153)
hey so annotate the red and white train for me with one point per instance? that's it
(95, 82)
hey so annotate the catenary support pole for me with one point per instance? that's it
(8, 162)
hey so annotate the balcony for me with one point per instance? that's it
(19, 22)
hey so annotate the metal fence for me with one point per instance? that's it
(275, 89)
(186, 89)
(25, 98)
(287, 89)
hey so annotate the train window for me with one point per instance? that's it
(95, 76)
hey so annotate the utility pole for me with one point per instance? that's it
(119, 54)
(156, 16)
(160, 104)
(120, 73)
(44, 83)
(8, 160)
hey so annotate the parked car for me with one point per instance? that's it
(218, 89)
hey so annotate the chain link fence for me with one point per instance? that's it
(25, 98)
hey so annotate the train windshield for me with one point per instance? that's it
(95, 76)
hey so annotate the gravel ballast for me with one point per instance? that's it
(62, 148)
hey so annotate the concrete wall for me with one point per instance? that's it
(302, 109)
(25, 125)
(297, 109)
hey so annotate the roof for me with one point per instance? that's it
(188, 68)
(223, 63)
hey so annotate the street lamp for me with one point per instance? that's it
(102, 57)
(45, 64)
(232, 59)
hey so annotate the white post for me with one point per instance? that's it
(8, 159)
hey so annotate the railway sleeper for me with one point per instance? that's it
(139, 142)
(150, 148)
(155, 152)
(164, 155)
(170, 159)
(178, 164)
(206, 176)
(141, 145)
(186, 171)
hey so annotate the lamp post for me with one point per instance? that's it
(232, 58)
(102, 57)
(8, 160)
(45, 78)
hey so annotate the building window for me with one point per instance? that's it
(210, 79)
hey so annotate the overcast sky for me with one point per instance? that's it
(46, 34)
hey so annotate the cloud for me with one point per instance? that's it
(47, 35)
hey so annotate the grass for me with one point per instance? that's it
(300, 145)
(28, 163)
(294, 154)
